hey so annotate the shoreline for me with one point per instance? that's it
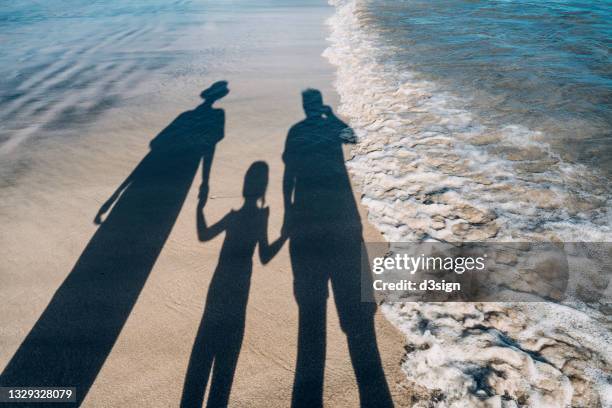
(429, 170)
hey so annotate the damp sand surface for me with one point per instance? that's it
(85, 90)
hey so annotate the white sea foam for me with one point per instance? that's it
(498, 354)
(421, 156)
(429, 169)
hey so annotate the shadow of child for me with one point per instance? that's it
(221, 330)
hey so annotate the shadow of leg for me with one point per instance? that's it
(199, 368)
(357, 321)
(310, 366)
(373, 388)
(224, 369)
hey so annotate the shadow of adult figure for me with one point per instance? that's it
(325, 241)
(74, 335)
(219, 337)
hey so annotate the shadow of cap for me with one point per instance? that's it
(216, 91)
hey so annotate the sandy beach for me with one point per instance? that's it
(140, 321)
(186, 189)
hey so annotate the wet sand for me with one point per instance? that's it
(56, 185)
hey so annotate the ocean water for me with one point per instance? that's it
(479, 120)
(545, 65)
(486, 121)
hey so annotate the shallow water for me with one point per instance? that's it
(499, 109)
(543, 64)
(66, 63)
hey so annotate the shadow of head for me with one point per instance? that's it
(215, 92)
(312, 102)
(256, 182)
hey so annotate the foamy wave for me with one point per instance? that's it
(505, 355)
(430, 169)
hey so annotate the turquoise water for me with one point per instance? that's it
(543, 64)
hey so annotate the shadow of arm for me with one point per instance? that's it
(343, 130)
(114, 197)
(289, 180)
(206, 233)
(213, 134)
(268, 251)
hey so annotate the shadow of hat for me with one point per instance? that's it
(217, 90)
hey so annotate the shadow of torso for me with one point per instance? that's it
(229, 288)
(323, 202)
(326, 232)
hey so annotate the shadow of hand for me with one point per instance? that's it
(103, 210)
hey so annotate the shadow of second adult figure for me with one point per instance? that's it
(324, 228)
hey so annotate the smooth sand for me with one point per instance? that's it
(47, 218)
